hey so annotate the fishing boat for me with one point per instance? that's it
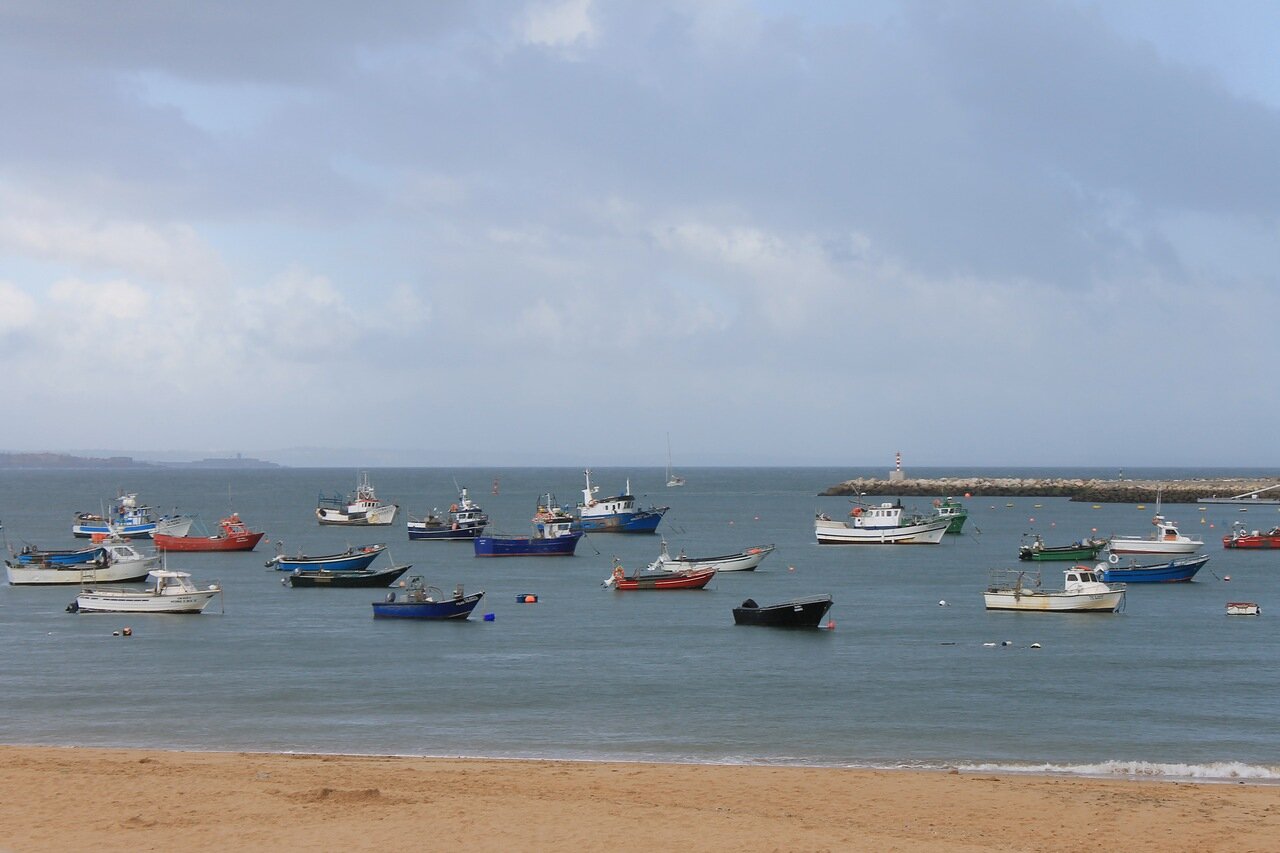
(350, 560)
(344, 579)
(466, 520)
(1243, 608)
(1085, 549)
(553, 535)
(233, 535)
(419, 601)
(880, 525)
(673, 479)
(797, 613)
(172, 592)
(129, 519)
(32, 554)
(615, 514)
(1082, 592)
(364, 508)
(742, 561)
(953, 511)
(1165, 540)
(1241, 538)
(658, 579)
(1177, 570)
(118, 562)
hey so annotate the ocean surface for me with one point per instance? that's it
(1171, 687)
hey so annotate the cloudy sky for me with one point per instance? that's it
(553, 232)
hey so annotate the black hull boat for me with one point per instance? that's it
(347, 579)
(797, 613)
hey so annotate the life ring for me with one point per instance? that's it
(618, 573)
(1114, 559)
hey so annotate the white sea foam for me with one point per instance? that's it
(1220, 771)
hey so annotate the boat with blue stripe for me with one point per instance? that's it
(32, 554)
(350, 560)
(419, 601)
(130, 520)
(553, 536)
(1172, 571)
(617, 513)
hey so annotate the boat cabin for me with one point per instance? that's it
(172, 583)
(591, 505)
(884, 516)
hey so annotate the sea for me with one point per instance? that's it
(912, 672)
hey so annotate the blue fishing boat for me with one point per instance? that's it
(419, 601)
(32, 554)
(350, 560)
(129, 519)
(553, 536)
(615, 514)
(1172, 571)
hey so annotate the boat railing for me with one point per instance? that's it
(1015, 579)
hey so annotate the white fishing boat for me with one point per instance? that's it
(742, 561)
(172, 592)
(1166, 540)
(673, 479)
(118, 563)
(880, 525)
(1082, 592)
(1243, 608)
(364, 508)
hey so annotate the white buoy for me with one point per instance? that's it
(988, 644)
(1035, 645)
(942, 603)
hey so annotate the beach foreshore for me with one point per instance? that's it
(128, 799)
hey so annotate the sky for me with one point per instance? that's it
(568, 231)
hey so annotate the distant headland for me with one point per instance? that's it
(67, 461)
(1092, 490)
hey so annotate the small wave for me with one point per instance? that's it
(1220, 771)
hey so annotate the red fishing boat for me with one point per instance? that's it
(1241, 538)
(681, 579)
(234, 536)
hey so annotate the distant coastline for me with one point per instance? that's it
(1091, 490)
(66, 461)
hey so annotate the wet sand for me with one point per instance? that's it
(124, 799)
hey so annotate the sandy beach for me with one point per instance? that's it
(123, 799)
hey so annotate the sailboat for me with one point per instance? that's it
(673, 479)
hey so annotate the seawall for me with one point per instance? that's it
(1095, 491)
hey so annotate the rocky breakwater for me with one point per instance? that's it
(1093, 490)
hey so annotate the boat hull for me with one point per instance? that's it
(526, 546)
(233, 542)
(376, 517)
(123, 601)
(644, 521)
(799, 613)
(353, 560)
(839, 533)
(1060, 553)
(1152, 546)
(321, 578)
(1174, 571)
(421, 531)
(1054, 602)
(60, 558)
(664, 580)
(1260, 541)
(454, 608)
(79, 573)
(745, 561)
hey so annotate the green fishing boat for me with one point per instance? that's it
(1082, 551)
(953, 511)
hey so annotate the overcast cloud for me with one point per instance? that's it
(981, 233)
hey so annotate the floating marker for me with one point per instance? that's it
(1005, 643)
(526, 598)
(989, 644)
(1035, 645)
(942, 603)
(791, 568)
(488, 617)
(127, 631)
(1226, 577)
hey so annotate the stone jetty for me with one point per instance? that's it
(1092, 491)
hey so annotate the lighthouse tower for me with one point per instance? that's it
(896, 475)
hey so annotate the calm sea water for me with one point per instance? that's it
(1170, 687)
